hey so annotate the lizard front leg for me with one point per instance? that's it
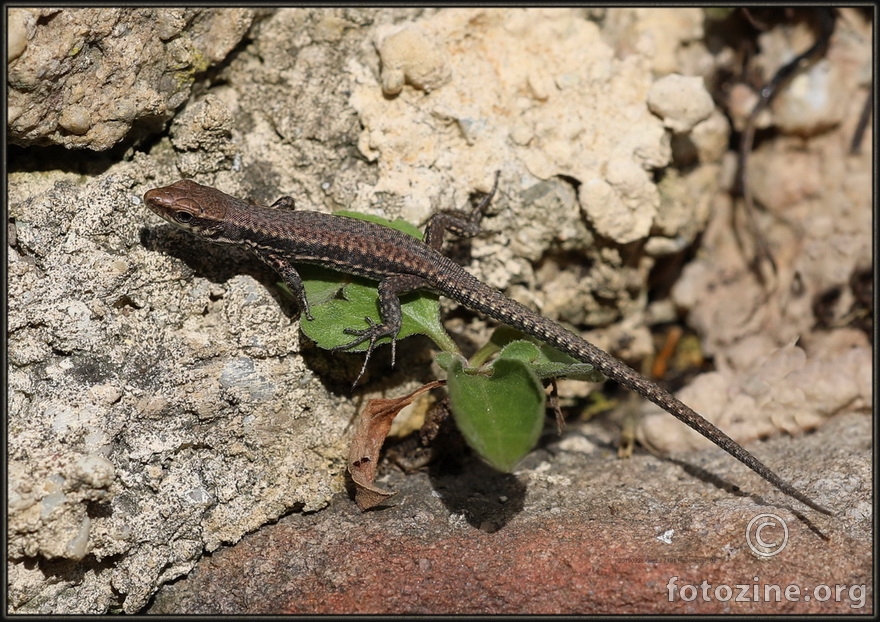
(291, 277)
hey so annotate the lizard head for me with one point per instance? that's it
(198, 209)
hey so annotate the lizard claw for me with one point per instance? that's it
(373, 333)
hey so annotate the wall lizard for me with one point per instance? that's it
(282, 236)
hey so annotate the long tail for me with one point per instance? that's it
(474, 294)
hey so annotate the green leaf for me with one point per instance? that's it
(339, 301)
(499, 408)
(545, 360)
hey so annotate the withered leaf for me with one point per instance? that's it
(371, 428)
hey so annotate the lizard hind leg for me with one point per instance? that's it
(465, 224)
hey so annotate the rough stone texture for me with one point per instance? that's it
(161, 402)
(816, 213)
(84, 77)
(139, 434)
(681, 101)
(575, 531)
(570, 109)
(409, 56)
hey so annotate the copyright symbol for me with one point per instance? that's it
(767, 535)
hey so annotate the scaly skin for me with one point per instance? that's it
(401, 263)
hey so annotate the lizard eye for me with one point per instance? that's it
(182, 217)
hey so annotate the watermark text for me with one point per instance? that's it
(763, 593)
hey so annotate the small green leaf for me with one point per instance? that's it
(339, 301)
(447, 360)
(499, 409)
(499, 406)
(546, 361)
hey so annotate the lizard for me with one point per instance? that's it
(281, 236)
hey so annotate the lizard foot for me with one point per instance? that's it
(373, 334)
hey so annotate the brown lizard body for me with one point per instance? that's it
(401, 263)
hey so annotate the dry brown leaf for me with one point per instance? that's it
(371, 428)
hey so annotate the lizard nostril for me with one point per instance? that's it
(156, 198)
